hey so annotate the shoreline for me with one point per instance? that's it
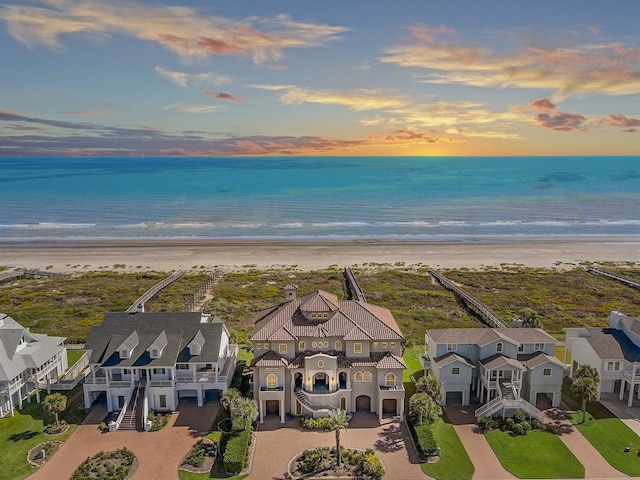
(188, 254)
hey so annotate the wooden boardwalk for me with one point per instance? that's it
(153, 291)
(353, 287)
(18, 274)
(613, 276)
(473, 304)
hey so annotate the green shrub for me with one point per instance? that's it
(323, 423)
(487, 424)
(236, 451)
(425, 441)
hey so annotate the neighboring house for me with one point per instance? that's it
(28, 361)
(509, 368)
(613, 351)
(155, 359)
(316, 353)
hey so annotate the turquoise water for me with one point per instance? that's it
(463, 198)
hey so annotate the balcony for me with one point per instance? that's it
(271, 389)
(399, 388)
(160, 383)
(97, 380)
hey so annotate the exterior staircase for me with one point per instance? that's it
(508, 399)
(132, 419)
(304, 401)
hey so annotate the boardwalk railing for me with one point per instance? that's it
(353, 286)
(153, 291)
(193, 302)
(477, 306)
(613, 276)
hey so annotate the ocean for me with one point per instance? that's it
(318, 198)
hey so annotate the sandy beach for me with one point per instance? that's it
(231, 255)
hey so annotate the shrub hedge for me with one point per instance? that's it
(425, 441)
(323, 423)
(236, 451)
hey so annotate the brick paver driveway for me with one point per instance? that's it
(278, 443)
(158, 453)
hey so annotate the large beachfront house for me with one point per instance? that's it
(613, 351)
(316, 353)
(152, 360)
(28, 361)
(508, 368)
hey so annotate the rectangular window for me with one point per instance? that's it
(182, 366)
(392, 345)
(499, 347)
(612, 366)
(521, 347)
(158, 371)
(163, 401)
(546, 372)
(452, 347)
(282, 348)
(538, 346)
(384, 344)
(357, 348)
(375, 344)
(267, 346)
(455, 371)
(154, 353)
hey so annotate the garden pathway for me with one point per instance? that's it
(278, 443)
(595, 466)
(159, 453)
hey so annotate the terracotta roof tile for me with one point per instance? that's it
(269, 359)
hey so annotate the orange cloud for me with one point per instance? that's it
(543, 104)
(626, 123)
(561, 122)
(427, 34)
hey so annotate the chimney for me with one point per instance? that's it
(140, 308)
(290, 292)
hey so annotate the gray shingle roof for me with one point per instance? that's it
(484, 336)
(612, 344)
(499, 360)
(180, 328)
(452, 357)
(534, 360)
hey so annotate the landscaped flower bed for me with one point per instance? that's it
(158, 420)
(321, 462)
(37, 458)
(115, 465)
(201, 457)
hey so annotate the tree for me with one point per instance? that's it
(339, 420)
(586, 384)
(422, 406)
(431, 386)
(55, 404)
(228, 398)
(530, 318)
(244, 412)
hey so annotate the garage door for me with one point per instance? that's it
(363, 403)
(454, 398)
(273, 407)
(543, 400)
(390, 405)
(187, 393)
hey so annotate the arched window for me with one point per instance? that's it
(358, 377)
(499, 347)
(367, 376)
(390, 379)
(302, 346)
(338, 345)
(272, 380)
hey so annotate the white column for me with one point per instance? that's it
(622, 385)
(281, 402)
(631, 388)
(11, 403)
(261, 405)
(199, 395)
(379, 408)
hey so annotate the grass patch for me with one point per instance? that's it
(24, 431)
(73, 355)
(538, 454)
(412, 358)
(454, 463)
(211, 475)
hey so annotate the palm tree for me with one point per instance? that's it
(339, 420)
(431, 386)
(244, 412)
(586, 384)
(54, 404)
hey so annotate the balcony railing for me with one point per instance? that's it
(97, 380)
(119, 384)
(399, 388)
(161, 383)
(271, 389)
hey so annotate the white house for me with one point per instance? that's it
(143, 361)
(508, 368)
(315, 353)
(28, 361)
(613, 351)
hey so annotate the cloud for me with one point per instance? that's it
(359, 100)
(185, 107)
(183, 30)
(589, 68)
(184, 79)
(411, 137)
(561, 122)
(427, 34)
(626, 123)
(543, 104)
(222, 96)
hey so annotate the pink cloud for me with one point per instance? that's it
(618, 120)
(277, 68)
(428, 34)
(561, 122)
(222, 96)
(543, 104)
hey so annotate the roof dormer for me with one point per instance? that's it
(319, 306)
(156, 348)
(126, 348)
(195, 345)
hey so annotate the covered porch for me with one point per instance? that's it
(496, 373)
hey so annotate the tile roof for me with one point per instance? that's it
(319, 301)
(382, 360)
(181, 328)
(352, 320)
(269, 359)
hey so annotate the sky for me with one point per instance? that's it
(319, 77)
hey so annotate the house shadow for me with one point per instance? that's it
(26, 435)
(391, 439)
(197, 420)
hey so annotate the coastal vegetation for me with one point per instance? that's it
(454, 462)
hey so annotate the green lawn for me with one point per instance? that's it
(537, 454)
(73, 355)
(412, 359)
(245, 354)
(454, 463)
(24, 431)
